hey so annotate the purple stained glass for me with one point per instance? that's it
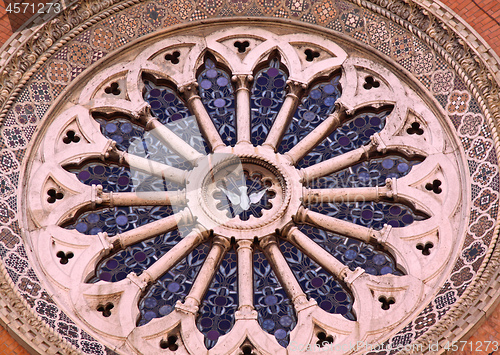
(112, 264)
(344, 141)
(272, 72)
(111, 128)
(213, 335)
(155, 104)
(150, 302)
(219, 103)
(222, 81)
(402, 167)
(149, 315)
(407, 219)
(169, 96)
(224, 325)
(341, 297)
(271, 300)
(268, 324)
(367, 214)
(155, 93)
(105, 276)
(206, 322)
(326, 305)
(342, 310)
(286, 321)
(280, 334)
(140, 256)
(317, 282)
(99, 170)
(211, 73)
(123, 180)
(395, 210)
(350, 254)
(266, 102)
(164, 310)
(268, 94)
(173, 287)
(206, 84)
(220, 301)
(126, 128)
(81, 227)
(83, 175)
(121, 220)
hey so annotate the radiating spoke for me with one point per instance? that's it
(317, 135)
(205, 123)
(245, 276)
(318, 254)
(285, 275)
(146, 198)
(285, 115)
(152, 229)
(346, 195)
(173, 256)
(343, 161)
(207, 272)
(172, 140)
(148, 166)
(340, 226)
(243, 107)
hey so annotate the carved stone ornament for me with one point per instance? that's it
(241, 186)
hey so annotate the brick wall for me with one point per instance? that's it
(483, 15)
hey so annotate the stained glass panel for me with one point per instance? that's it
(216, 315)
(276, 314)
(170, 110)
(174, 286)
(369, 173)
(353, 253)
(268, 94)
(217, 94)
(351, 135)
(370, 214)
(313, 109)
(317, 283)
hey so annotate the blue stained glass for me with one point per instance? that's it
(268, 94)
(351, 135)
(135, 258)
(276, 314)
(135, 140)
(216, 315)
(313, 109)
(371, 173)
(352, 252)
(318, 283)
(120, 179)
(174, 286)
(370, 214)
(170, 110)
(217, 95)
(118, 219)
(254, 187)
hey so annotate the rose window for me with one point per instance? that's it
(287, 192)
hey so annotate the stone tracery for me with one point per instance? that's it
(123, 92)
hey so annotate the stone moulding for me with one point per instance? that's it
(423, 21)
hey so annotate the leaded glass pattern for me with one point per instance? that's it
(161, 298)
(303, 235)
(268, 93)
(217, 94)
(216, 315)
(275, 311)
(313, 109)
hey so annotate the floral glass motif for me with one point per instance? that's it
(170, 110)
(353, 253)
(315, 107)
(268, 94)
(216, 315)
(217, 94)
(371, 173)
(353, 134)
(173, 286)
(317, 283)
(276, 314)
